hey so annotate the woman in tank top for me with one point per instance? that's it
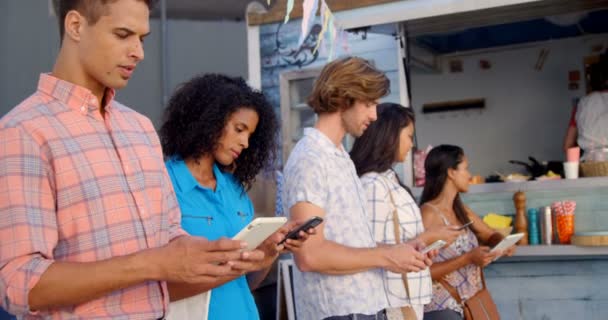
(459, 263)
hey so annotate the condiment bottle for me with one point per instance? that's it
(546, 226)
(533, 227)
(521, 223)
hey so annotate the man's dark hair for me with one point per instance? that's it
(198, 112)
(91, 9)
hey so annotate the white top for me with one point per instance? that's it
(380, 212)
(592, 125)
(322, 174)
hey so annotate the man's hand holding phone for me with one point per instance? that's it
(404, 257)
(299, 231)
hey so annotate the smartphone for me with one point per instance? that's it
(434, 246)
(465, 225)
(294, 234)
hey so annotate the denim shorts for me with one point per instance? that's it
(381, 315)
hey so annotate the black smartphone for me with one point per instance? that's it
(311, 223)
(465, 225)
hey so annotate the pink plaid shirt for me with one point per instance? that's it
(79, 187)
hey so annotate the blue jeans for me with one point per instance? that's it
(381, 315)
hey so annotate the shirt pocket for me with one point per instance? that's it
(242, 217)
(201, 225)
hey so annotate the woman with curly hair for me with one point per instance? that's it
(217, 135)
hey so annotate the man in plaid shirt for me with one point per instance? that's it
(89, 223)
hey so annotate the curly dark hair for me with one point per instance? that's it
(197, 113)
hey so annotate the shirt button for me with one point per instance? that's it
(127, 168)
(83, 109)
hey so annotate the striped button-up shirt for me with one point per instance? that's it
(76, 186)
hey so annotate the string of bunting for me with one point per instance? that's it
(331, 33)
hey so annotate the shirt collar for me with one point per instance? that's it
(78, 98)
(186, 181)
(325, 143)
(390, 174)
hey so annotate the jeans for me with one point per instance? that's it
(445, 314)
(381, 315)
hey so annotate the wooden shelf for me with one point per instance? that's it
(562, 184)
(556, 253)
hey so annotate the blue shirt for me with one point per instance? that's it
(212, 214)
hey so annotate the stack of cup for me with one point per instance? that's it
(571, 165)
(564, 220)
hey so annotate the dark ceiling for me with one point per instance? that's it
(514, 33)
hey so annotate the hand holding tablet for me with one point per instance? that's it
(258, 230)
(507, 242)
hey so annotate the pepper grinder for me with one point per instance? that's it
(521, 223)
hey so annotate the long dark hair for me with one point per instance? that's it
(436, 165)
(376, 149)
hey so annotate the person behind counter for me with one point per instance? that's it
(588, 125)
(386, 142)
(460, 263)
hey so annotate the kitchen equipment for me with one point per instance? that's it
(537, 169)
(493, 178)
(555, 166)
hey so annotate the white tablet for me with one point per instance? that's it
(258, 230)
(508, 241)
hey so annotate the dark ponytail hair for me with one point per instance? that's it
(437, 163)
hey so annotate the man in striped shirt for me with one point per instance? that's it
(89, 223)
